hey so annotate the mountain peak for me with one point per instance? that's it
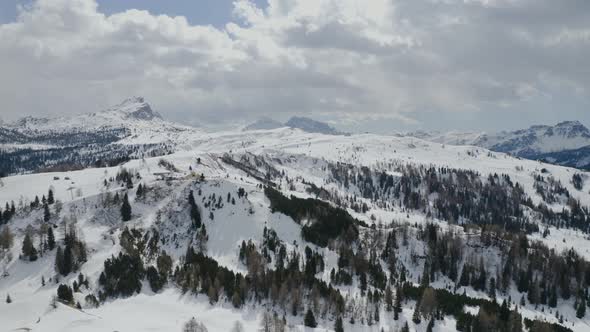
(569, 129)
(311, 126)
(263, 123)
(573, 123)
(137, 108)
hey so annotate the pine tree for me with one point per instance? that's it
(50, 199)
(416, 314)
(28, 249)
(64, 294)
(129, 183)
(6, 238)
(388, 299)
(309, 319)
(406, 328)
(425, 281)
(126, 209)
(140, 191)
(50, 238)
(515, 321)
(492, 288)
(59, 261)
(338, 326)
(68, 260)
(8, 299)
(397, 308)
(581, 311)
(504, 311)
(552, 297)
(46, 213)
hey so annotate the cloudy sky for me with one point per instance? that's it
(376, 65)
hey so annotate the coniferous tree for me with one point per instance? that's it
(59, 261)
(388, 299)
(50, 238)
(65, 294)
(126, 209)
(552, 302)
(155, 279)
(397, 308)
(492, 288)
(50, 199)
(416, 314)
(68, 260)
(515, 321)
(6, 238)
(338, 326)
(129, 183)
(8, 299)
(28, 249)
(309, 319)
(405, 328)
(140, 191)
(581, 310)
(504, 311)
(46, 213)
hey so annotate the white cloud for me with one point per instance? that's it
(339, 59)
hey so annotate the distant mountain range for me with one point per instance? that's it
(132, 129)
(566, 143)
(302, 123)
(129, 130)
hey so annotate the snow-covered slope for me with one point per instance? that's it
(297, 163)
(557, 144)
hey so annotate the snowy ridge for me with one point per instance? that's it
(296, 122)
(134, 115)
(556, 144)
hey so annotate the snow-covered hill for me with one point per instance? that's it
(131, 129)
(404, 206)
(562, 144)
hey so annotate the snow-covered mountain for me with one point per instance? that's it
(302, 123)
(311, 126)
(289, 229)
(132, 115)
(263, 124)
(131, 129)
(566, 143)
